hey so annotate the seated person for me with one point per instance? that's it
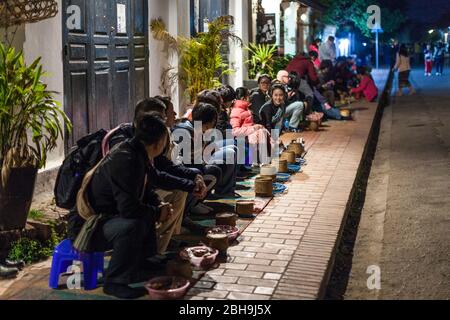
(173, 181)
(326, 79)
(294, 106)
(367, 87)
(272, 112)
(242, 121)
(225, 155)
(259, 96)
(121, 190)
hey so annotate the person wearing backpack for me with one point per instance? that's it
(173, 181)
(121, 191)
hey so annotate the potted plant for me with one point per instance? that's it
(261, 61)
(31, 123)
(201, 63)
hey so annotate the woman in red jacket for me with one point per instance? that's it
(242, 120)
(367, 87)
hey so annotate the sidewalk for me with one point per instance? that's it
(287, 252)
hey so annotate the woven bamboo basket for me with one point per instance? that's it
(226, 219)
(245, 207)
(264, 187)
(289, 156)
(297, 148)
(314, 125)
(282, 165)
(16, 12)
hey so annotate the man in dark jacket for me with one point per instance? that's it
(304, 67)
(177, 184)
(121, 191)
(259, 97)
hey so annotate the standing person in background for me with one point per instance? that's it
(428, 57)
(439, 55)
(314, 47)
(327, 50)
(403, 66)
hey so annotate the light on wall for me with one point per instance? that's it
(304, 17)
(344, 47)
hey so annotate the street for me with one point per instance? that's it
(404, 227)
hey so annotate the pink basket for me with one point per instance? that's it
(202, 262)
(232, 234)
(171, 294)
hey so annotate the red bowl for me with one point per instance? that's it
(167, 294)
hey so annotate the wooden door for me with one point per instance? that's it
(105, 62)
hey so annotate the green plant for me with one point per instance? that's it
(36, 214)
(261, 59)
(281, 62)
(201, 65)
(27, 112)
(31, 251)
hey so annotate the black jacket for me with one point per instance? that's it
(165, 174)
(257, 99)
(119, 187)
(271, 115)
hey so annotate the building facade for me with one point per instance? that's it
(101, 58)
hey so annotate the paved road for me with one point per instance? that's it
(405, 224)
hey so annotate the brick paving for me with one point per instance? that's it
(288, 250)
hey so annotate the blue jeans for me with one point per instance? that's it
(439, 64)
(227, 185)
(294, 113)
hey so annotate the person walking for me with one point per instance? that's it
(428, 55)
(439, 54)
(403, 66)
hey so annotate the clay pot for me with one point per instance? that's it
(314, 125)
(218, 241)
(289, 156)
(226, 219)
(282, 165)
(245, 207)
(264, 187)
(297, 148)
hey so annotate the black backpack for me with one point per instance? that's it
(82, 158)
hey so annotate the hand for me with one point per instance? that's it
(200, 189)
(166, 212)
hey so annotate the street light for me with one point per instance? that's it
(377, 29)
(431, 31)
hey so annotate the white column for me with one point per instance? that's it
(240, 11)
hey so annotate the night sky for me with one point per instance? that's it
(428, 12)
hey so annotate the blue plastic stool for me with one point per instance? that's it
(63, 257)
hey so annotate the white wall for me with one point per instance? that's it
(175, 14)
(44, 39)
